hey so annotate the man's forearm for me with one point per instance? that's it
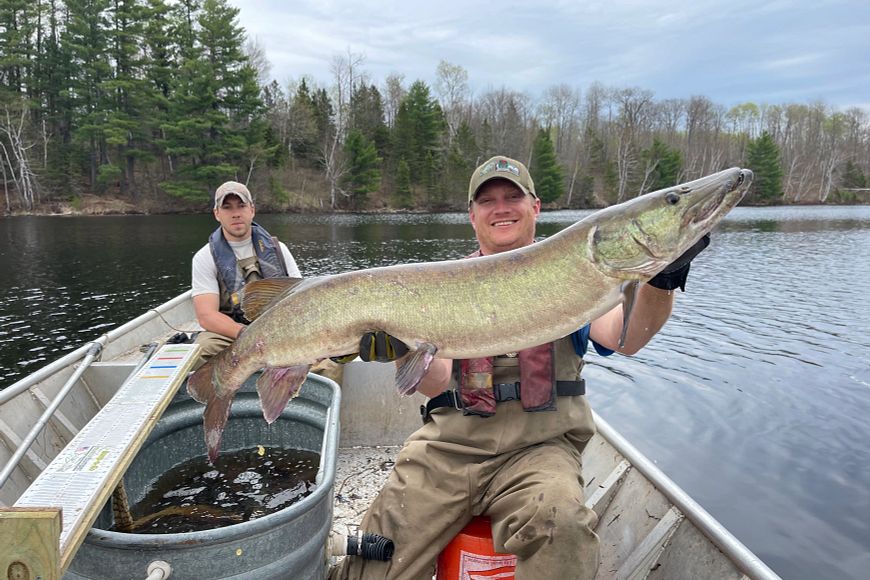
(209, 316)
(220, 323)
(436, 379)
(651, 311)
(652, 308)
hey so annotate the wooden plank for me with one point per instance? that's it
(642, 560)
(82, 476)
(30, 540)
(602, 496)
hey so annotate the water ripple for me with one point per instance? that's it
(754, 397)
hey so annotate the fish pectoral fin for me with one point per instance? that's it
(259, 295)
(214, 419)
(629, 296)
(413, 366)
(276, 386)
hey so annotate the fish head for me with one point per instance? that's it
(637, 239)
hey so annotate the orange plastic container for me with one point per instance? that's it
(471, 556)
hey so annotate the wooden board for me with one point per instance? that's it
(29, 539)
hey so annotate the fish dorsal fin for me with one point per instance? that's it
(258, 296)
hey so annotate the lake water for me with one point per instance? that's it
(754, 398)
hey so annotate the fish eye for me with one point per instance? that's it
(672, 198)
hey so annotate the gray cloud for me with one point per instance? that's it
(771, 52)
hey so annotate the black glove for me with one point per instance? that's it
(674, 275)
(376, 346)
(380, 346)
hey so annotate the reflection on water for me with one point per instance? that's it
(754, 397)
(240, 486)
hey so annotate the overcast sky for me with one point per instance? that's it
(765, 51)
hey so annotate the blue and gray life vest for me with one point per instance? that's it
(233, 274)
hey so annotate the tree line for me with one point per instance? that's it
(158, 102)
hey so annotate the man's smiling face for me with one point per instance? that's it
(503, 217)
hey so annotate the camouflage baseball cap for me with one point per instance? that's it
(232, 188)
(501, 167)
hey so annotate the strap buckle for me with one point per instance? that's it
(457, 400)
(449, 398)
(506, 391)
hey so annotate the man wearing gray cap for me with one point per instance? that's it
(237, 252)
(502, 436)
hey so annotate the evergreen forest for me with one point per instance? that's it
(153, 103)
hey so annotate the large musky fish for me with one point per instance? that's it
(462, 308)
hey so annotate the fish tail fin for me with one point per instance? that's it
(413, 366)
(258, 296)
(214, 419)
(276, 386)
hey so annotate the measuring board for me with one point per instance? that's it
(83, 475)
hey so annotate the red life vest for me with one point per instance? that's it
(537, 379)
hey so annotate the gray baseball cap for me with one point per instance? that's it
(234, 188)
(501, 167)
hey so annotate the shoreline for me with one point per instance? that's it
(116, 208)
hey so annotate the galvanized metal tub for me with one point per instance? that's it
(289, 543)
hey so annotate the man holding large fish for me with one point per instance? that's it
(503, 432)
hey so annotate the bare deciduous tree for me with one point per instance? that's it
(451, 86)
(256, 54)
(635, 108)
(394, 92)
(14, 146)
(347, 73)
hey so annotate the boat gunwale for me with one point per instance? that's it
(719, 536)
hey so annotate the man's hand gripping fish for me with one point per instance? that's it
(461, 309)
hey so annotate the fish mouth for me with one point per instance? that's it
(708, 207)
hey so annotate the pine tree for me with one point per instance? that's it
(852, 177)
(367, 115)
(665, 163)
(302, 133)
(403, 196)
(15, 44)
(545, 170)
(323, 114)
(462, 158)
(56, 108)
(86, 40)
(363, 176)
(128, 124)
(215, 128)
(419, 126)
(161, 56)
(762, 157)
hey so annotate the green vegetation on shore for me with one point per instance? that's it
(131, 106)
